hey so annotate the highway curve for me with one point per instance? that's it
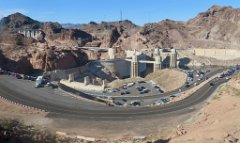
(23, 92)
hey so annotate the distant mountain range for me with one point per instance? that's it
(70, 25)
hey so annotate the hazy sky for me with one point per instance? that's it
(83, 11)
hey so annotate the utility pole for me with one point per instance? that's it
(121, 16)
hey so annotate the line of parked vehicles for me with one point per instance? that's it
(229, 72)
(40, 81)
(199, 74)
(165, 100)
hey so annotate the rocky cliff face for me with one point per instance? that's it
(26, 59)
(166, 33)
(108, 34)
(23, 54)
(56, 35)
(57, 59)
(218, 27)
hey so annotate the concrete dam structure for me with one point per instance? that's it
(122, 67)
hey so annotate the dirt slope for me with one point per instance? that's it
(218, 122)
(168, 79)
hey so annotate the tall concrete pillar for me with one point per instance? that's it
(103, 84)
(156, 52)
(86, 80)
(111, 53)
(157, 64)
(173, 58)
(134, 66)
(71, 77)
(28, 34)
(33, 34)
(24, 32)
(134, 69)
(160, 52)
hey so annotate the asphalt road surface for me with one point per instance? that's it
(64, 105)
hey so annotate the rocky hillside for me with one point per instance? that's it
(24, 55)
(218, 27)
(19, 20)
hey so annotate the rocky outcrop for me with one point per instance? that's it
(108, 34)
(17, 60)
(57, 59)
(231, 139)
(218, 25)
(94, 27)
(112, 37)
(40, 37)
(29, 59)
(56, 35)
(15, 39)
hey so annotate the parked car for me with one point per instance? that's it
(39, 81)
(135, 102)
(211, 84)
(130, 84)
(187, 85)
(18, 76)
(158, 102)
(118, 102)
(125, 92)
(33, 78)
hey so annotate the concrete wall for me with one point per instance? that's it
(220, 54)
(81, 87)
(123, 67)
(64, 74)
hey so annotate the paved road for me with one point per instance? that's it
(150, 99)
(23, 92)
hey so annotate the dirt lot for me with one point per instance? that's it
(168, 79)
(10, 110)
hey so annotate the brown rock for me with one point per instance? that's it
(230, 139)
(56, 35)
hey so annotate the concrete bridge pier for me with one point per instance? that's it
(33, 34)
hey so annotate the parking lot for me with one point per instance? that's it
(194, 77)
(140, 88)
(137, 93)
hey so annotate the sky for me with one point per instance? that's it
(84, 11)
